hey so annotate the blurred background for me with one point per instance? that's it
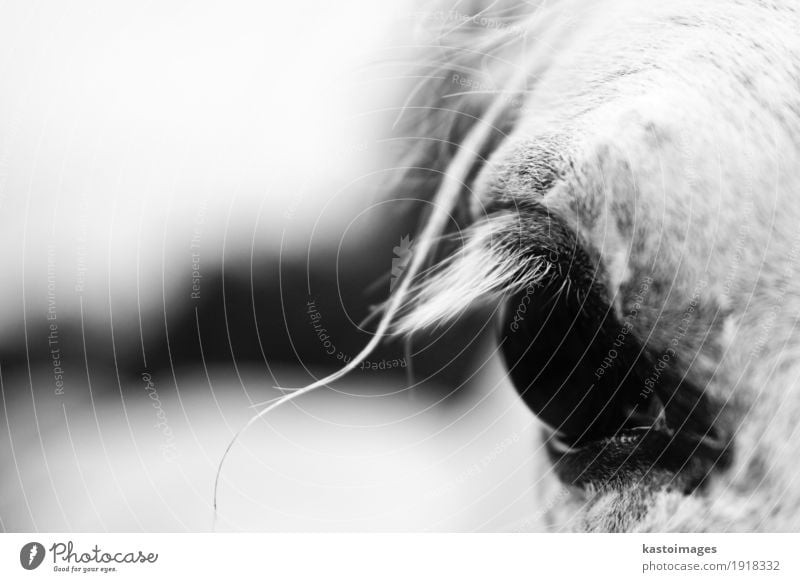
(193, 212)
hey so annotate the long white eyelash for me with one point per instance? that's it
(483, 271)
(444, 202)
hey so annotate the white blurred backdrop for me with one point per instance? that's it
(129, 131)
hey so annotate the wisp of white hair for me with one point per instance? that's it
(476, 272)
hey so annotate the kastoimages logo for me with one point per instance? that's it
(31, 555)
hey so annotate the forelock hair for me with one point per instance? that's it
(474, 71)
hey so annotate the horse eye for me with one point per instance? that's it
(584, 372)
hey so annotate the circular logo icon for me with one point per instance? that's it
(31, 555)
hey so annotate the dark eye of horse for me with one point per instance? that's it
(585, 374)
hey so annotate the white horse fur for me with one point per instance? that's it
(666, 136)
